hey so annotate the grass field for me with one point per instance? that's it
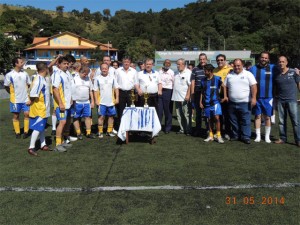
(175, 160)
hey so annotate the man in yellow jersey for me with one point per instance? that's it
(40, 108)
(62, 89)
(222, 70)
(16, 84)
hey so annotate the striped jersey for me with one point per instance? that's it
(18, 83)
(41, 92)
(210, 90)
(197, 75)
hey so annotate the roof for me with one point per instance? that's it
(39, 39)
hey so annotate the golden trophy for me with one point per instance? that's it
(132, 95)
(146, 96)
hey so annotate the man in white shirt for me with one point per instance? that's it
(165, 105)
(181, 97)
(242, 90)
(106, 87)
(125, 77)
(16, 84)
(111, 71)
(148, 81)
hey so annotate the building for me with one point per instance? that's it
(66, 43)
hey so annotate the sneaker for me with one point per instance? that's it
(25, 135)
(66, 145)
(79, 136)
(111, 134)
(267, 140)
(70, 138)
(91, 136)
(53, 132)
(32, 152)
(220, 140)
(257, 139)
(193, 121)
(59, 148)
(180, 132)
(114, 131)
(227, 137)
(18, 136)
(45, 148)
(100, 135)
(208, 139)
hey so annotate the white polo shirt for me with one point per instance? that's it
(182, 81)
(82, 88)
(167, 78)
(18, 84)
(239, 86)
(125, 79)
(148, 81)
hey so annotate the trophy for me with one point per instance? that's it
(132, 95)
(146, 96)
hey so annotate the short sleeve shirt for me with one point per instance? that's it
(106, 85)
(182, 81)
(148, 81)
(197, 75)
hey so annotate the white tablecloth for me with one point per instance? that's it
(139, 119)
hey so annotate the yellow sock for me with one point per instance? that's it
(211, 134)
(110, 128)
(78, 132)
(218, 134)
(58, 141)
(16, 124)
(88, 132)
(100, 129)
(26, 125)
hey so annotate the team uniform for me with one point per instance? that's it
(210, 96)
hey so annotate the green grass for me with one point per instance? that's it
(174, 160)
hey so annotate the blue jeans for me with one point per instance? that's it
(240, 119)
(291, 108)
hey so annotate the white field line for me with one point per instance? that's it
(142, 188)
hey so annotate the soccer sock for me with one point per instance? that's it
(88, 132)
(58, 140)
(211, 134)
(218, 134)
(78, 132)
(34, 137)
(257, 131)
(267, 131)
(110, 128)
(54, 120)
(273, 119)
(26, 125)
(42, 138)
(16, 124)
(100, 129)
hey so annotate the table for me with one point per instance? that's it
(138, 119)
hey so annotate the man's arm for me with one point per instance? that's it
(117, 96)
(253, 94)
(58, 99)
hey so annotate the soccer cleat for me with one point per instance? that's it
(59, 148)
(32, 152)
(66, 145)
(18, 136)
(267, 140)
(45, 148)
(70, 138)
(220, 140)
(111, 134)
(257, 139)
(227, 137)
(100, 135)
(114, 131)
(53, 132)
(180, 132)
(91, 136)
(208, 139)
(25, 135)
(79, 136)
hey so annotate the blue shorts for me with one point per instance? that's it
(18, 107)
(62, 115)
(212, 111)
(106, 110)
(263, 106)
(82, 110)
(37, 123)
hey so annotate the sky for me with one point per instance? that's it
(99, 5)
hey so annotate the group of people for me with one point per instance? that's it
(225, 96)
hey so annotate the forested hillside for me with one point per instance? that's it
(255, 25)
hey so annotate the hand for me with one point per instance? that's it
(28, 102)
(297, 71)
(140, 92)
(187, 98)
(159, 92)
(62, 107)
(92, 105)
(225, 99)
(253, 102)
(201, 106)
(116, 101)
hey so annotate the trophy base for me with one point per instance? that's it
(132, 106)
(146, 106)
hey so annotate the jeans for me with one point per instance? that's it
(291, 108)
(198, 110)
(165, 106)
(183, 111)
(240, 119)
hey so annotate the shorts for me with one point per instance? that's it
(82, 110)
(37, 123)
(106, 110)
(62, 115)
(18, 107)
(263, 106)
(212, 111)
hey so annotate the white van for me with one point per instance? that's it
(31, 63)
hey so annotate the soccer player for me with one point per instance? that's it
(40, 108)
(16, 84)
(62, 85)
(107, 87)
(210, 101)
(83, 101)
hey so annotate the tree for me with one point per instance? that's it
(7, 52)
(97, 54)
(60, 10)
(140, 49)
(106, 13)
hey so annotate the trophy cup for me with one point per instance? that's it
(146, 96)
(132, 95)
